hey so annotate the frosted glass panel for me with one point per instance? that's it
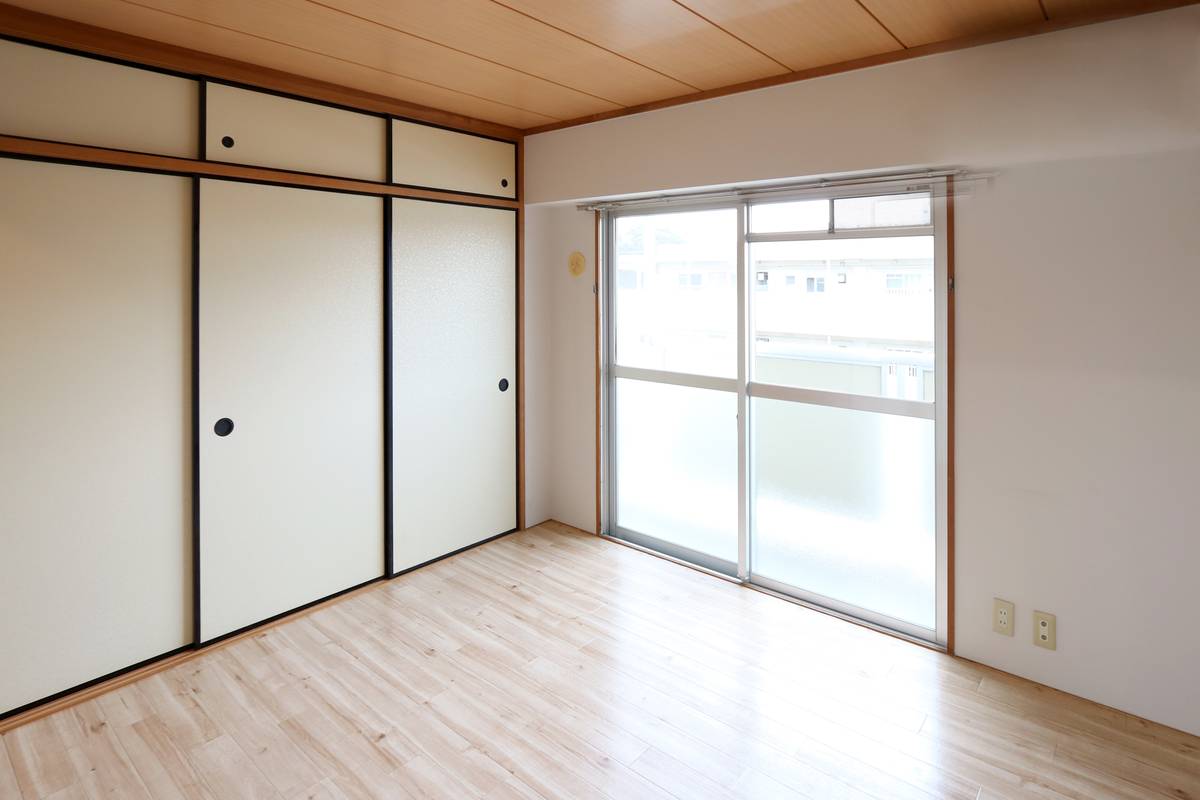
(845, 315)
(676, 292)
(676, 465)
(844, 506)
(803, 215)
(881, 211)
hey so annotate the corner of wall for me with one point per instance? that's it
(560, 410)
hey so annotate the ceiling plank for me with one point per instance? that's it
(1041, 26)
(800, 34)
(920, 22)
(1059, 9)
(322, 30)
(661, 34)
(508, 37)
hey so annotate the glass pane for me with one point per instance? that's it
(676, 292)
(845, 315)
(804, 215)
(881, 211)
(843, 506)
(676, 465)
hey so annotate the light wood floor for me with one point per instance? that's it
(550, 664)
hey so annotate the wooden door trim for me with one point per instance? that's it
(86, 155)
(520, 300)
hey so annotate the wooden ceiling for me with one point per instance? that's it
(539, 64)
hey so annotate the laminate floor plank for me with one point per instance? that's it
(552, 664)
(8, 777)
(40, 759)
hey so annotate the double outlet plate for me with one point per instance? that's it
(1004, 622)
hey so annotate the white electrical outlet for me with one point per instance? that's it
(1044, 634)
(1003, 616)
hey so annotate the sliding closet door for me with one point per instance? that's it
(291, 399)
(95, 521)
(454, 367)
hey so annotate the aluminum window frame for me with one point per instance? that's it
(612, 371)
(935, 186)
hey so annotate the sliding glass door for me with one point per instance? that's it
(843, 381)
(821, 319)
(673, 389)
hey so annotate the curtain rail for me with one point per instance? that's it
(743, 193)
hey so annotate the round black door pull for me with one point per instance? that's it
(224, 427)
(504, 384)
(504, 182)
(227, 141)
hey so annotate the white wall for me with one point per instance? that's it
(1078, 271)
(538, 402)
(560, 371)
(1077, 391)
